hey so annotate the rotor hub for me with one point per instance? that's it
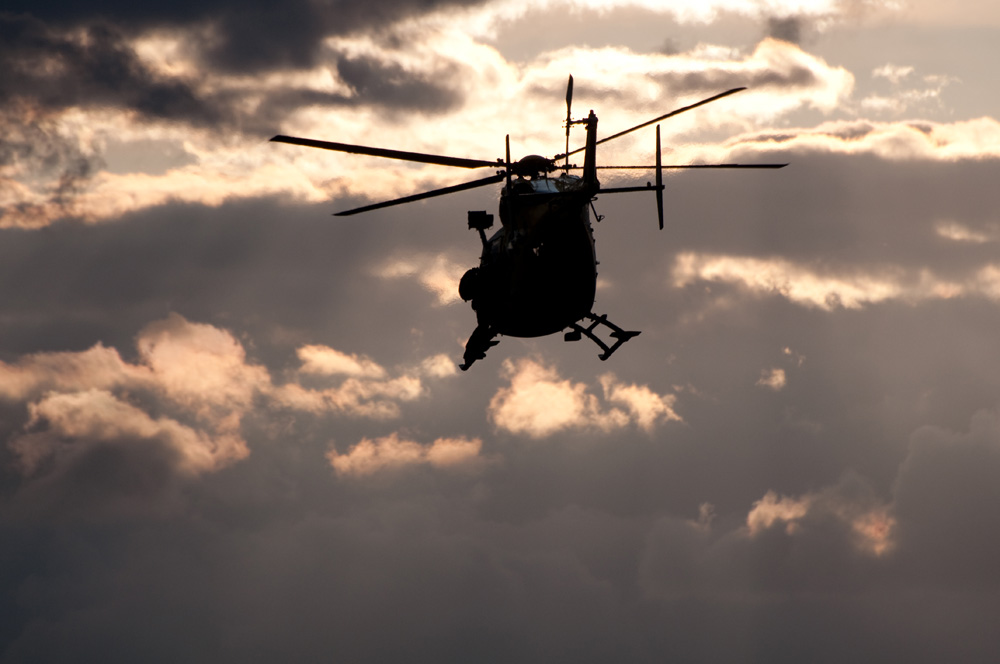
(532, 165)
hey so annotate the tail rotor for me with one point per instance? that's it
(569, 115)
(659, 179)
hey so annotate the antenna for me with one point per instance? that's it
(569, 117)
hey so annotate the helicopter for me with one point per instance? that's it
(537, 275)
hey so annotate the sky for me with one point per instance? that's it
(232, 427)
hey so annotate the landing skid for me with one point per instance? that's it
(619, 335)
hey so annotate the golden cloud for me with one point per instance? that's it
(200, 383)
(540, 403)
(91, 417)
(393, 453)
(870, 525)
(847, 287)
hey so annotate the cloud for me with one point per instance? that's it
(899, 99)
(940, 498)
(378, 399)
(71, 91)
(390, 85)
(190, 391)
(327, 361)
(239, 36)
(835, 287)
(393, 453)
(958, 232)
(848, 287)
(895, 141)
(787, 28)
(437, 273)
(53, 69)
(539, 403)
(774, 64)
(870, 526)
(932, 532)
(787, 547)
(200, 366)
(368, 389)
(219, 118)
(645, 407)
(194, 371)
(893, 73)
(772, 379)
(485, 19)
(76, 422)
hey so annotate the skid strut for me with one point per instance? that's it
(619, 335)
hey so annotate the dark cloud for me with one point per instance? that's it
(52, 70)
(31, 143)
(372, 82)
(103, 482)
(947, 540)
(242, 37)
(48, 71)
(391, 86)
(787, 29)
(713, 80)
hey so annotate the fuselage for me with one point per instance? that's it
(538, 273)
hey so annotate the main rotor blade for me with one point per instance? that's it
(678, 166)
(662, 117)
(493, 179)
(389, 154)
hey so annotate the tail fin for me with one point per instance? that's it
(590, 156)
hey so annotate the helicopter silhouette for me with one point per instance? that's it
(537, 275)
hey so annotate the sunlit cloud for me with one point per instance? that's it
(377, 399)
(64, 424)
(772, 509)
(920, 91)
(200, 366)
(893, 73)
(439, 366)
(850, 288)
(871, 526)
(190, 390)
(115, 161)
(958, 232)
(798, 358)
(931, 141)
(392, 452)
(832, 288)
(539, 403)
(196, 373)
(363, 387)
(331, 362)
(645, 407)
(437, 273)
(485, 19)
(772, 379)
